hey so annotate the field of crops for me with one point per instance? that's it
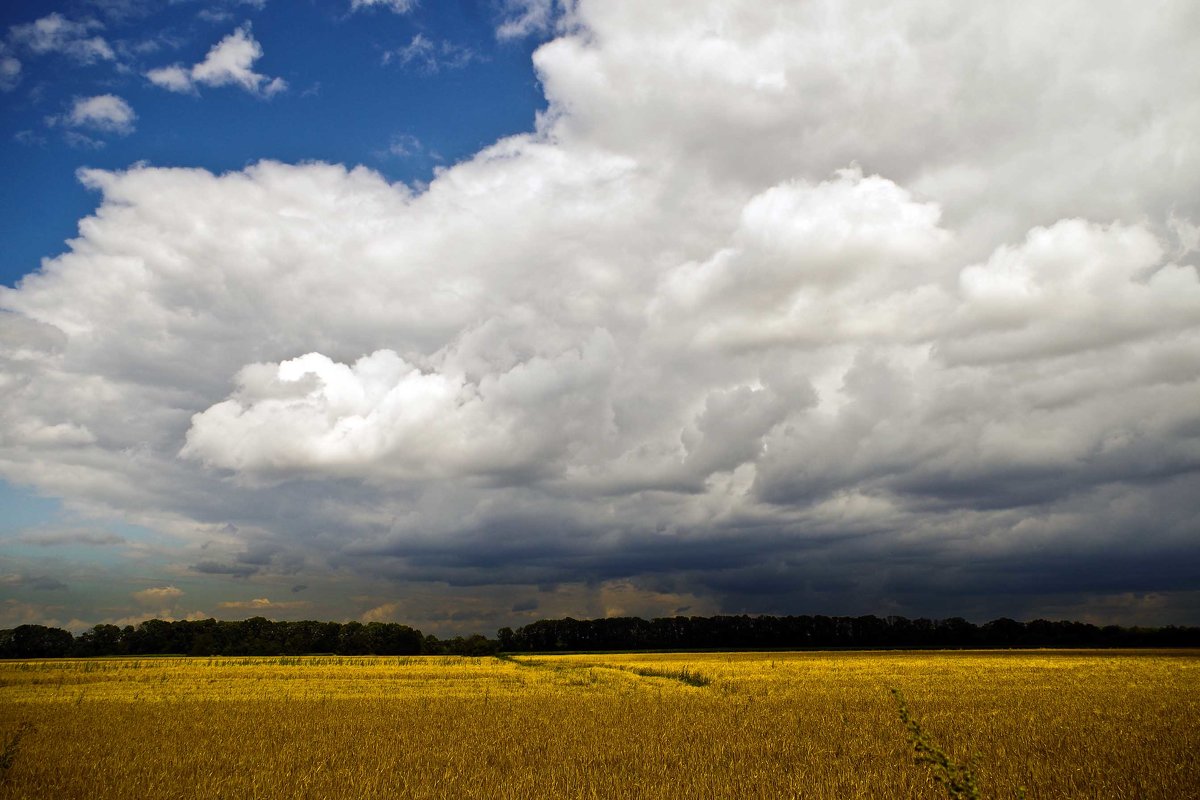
(712, 725)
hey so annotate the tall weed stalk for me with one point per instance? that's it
(958, 779)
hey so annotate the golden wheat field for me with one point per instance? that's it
(713, 725)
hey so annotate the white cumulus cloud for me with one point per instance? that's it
(54, 33)
(158, 595)
(106, 113)
(263, 604)
(382, 416)
(229, 62)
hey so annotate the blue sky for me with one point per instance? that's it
(468, 314)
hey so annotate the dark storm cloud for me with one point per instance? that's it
(218, 568)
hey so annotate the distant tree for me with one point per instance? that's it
(392, 639)
(99, 640)
(1003, 632)
(352, 640)
(35, 641)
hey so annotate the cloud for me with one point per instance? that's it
(45, 583)
(173, 78)
(10, 70)
(1187, 233)
(106, 113)
(158, 595)
(57, 538)
(405, 146)
(41, 583)
(229, 62)
(165, 615)
(776, 309)
(386, 612)
(218, 14)
(429, 57)
(395, 6)
(382, 413)
(15, 612)
(54, 33)
(219, 568)
(1071, 287)
(80, 141)
(263, 604)
(524, 18)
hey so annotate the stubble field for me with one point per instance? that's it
(712, 725)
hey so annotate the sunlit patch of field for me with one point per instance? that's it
(720, 725)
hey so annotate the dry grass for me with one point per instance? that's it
(728, 725)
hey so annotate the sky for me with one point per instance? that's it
(467, 314)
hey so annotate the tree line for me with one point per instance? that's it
(258, 636)
(801, 632)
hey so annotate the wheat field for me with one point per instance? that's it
(712, 725)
